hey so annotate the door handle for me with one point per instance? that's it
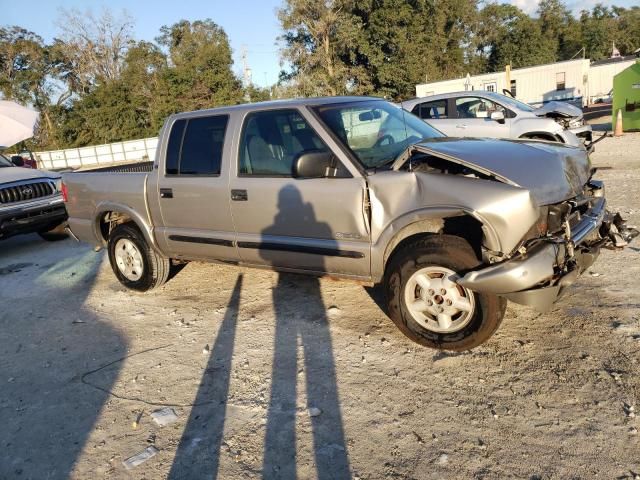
(166, 193)
(461, 125)
(239, 195)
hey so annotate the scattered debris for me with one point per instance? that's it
(629, 410)
(314, 412)
(136, 422)
(418, 437)
(140, 458)
(206, 349)
(164, 416)
(443, 459)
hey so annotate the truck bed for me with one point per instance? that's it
(94, 191)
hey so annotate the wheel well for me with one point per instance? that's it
(109, 220)
(541, 136)
(463, 226)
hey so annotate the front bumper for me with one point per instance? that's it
(538, 276)
(29, 217)
(579, 137)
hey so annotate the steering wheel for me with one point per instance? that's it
(381, 140)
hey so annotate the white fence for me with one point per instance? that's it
(129, 151)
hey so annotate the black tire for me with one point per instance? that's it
(155, 268)
(453, 253)
(54, 234)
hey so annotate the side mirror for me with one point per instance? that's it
(497, 116)
(17, 160)
(313, 164)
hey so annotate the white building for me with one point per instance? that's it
(579, 81)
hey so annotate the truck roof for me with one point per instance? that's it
(290, 102)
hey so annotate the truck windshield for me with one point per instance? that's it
(5, 162)
(375, 131)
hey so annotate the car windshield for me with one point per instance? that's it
(513, 103)
(5, 162)
(375, 131)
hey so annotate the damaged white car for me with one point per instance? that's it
(491, 115)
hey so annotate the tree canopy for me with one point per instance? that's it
(95, 83)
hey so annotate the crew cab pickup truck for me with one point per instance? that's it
(30, 201)
(359, 189)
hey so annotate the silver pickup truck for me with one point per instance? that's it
(359, 189)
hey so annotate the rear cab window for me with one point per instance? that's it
(195, 146)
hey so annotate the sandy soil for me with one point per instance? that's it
(81, 359)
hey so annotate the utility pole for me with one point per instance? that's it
(246, 73)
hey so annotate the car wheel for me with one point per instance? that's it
(54, 234)
(427, 305)
(136, 265)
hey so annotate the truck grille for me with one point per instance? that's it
(26, 191)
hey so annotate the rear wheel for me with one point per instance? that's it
(135, 264)
(427, 305)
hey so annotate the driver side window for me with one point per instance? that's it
(476, 107)
(272, 140)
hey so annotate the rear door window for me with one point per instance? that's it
(435, 110)
(195, 146)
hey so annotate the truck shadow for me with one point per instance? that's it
(49, 337)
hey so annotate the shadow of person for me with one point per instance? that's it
(198, 453)
(309, 327)
(49, 337)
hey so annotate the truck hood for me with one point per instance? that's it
(558, 109)
(552, 172)
(18, 174)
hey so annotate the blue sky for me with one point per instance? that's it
(252, 23)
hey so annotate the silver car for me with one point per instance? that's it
(492, 115)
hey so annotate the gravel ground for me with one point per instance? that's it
(84, 363)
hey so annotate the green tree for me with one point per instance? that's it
(319, 36)
(200, 73)
(509, 36)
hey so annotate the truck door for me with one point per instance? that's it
(308, 224)
(193, 187)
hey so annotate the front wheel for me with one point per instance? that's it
(427, 305)
(135, 264)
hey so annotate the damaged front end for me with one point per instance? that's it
(570, 118)
(564, 243)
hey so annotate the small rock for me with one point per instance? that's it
(633, 431)
(314, 412)
(206, 349)
(596, 274)
(333, 311)
(443, 459)
(11, 379)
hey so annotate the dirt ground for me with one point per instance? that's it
(81, 359)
